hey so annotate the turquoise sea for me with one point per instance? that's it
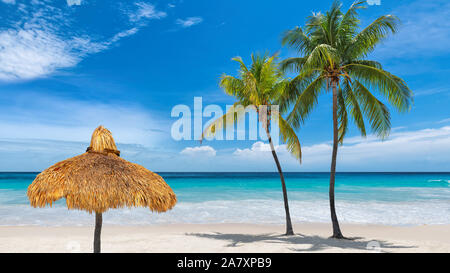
(376, 198)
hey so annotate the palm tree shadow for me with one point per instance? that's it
(311, 243)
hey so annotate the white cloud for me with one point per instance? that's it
(432, 91)
(124, 34)
(189, 22)
(43, 41)
(30, 53)
(38, 130)
(9, 1)
(145, 11)
(410, 150)
(256, 148)
(446, 120)
(427, 149)
(34, 46)
(54, 118)
(33, 140)
(424, 30)
(201, 151)
(73, 2)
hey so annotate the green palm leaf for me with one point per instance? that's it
(390, 86)
(352, 103)
(290, 138)
(374, 110)
(261, 84)
(365, 41)
(306, 101)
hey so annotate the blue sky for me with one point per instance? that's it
(69, 66)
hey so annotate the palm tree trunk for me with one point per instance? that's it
(97, 232)
(336, 230)
(289, 229)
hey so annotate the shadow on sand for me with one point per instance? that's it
(310, 243)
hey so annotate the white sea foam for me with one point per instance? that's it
(438, 180)
(240, 211)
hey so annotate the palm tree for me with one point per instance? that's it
(333, 56)
(259, 86)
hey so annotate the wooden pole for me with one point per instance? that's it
(97, 232)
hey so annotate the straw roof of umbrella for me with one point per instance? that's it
(99, 179)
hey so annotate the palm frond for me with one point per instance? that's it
(390, 86)
(365, 41)
(333, 49)
(342, 117)
(230, 118)
(293, 64)
(290, 138)
(322, 56)
(232, 86)
(306, 101)
(316, 29)
(353, 105)
(332, 22)
(297, 39)
(295, 87)
(260, 85)
(374, 110)
(371, 63)
(349, 24)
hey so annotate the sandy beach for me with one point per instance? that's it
(226, 238)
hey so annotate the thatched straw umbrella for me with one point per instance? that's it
(98, 180)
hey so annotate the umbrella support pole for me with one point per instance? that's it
(97, 231)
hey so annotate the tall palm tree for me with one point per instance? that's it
(260, 85)
(333, 56)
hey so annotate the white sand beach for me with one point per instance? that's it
(226, 238)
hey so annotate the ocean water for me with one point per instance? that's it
(375, 198)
